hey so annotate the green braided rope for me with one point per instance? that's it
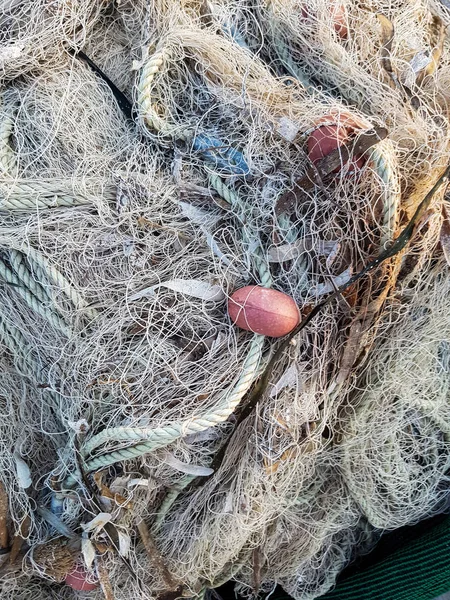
(381, 158)
(266, 281)
(58, 278)
(7, 156)
(15, 341)
(32, 301)
(292, 235)
(170, 500)
(233, 199)
(12, 337)
(287, 61)
(22, 272)
(152, 439)
(176, 490)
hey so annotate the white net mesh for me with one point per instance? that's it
(121, 239)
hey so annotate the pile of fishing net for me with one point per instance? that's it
(150, 447)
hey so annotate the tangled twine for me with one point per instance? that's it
(171, 450)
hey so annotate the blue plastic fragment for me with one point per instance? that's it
(56, 505)
(223, 156)
(234, 33)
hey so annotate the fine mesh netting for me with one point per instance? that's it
(131, 452)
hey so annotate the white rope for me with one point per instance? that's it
(146, 97)
(29, 195)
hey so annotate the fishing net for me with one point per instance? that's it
(134, 449)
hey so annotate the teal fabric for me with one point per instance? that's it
(419, 570)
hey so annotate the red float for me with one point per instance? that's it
(264, 311)
(339, 17)
(80, 580)
(326, 138)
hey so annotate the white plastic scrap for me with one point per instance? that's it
(190, 287)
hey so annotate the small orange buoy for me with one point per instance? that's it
(338, 15)
(326, 138)
(78, 579)
(264, 311)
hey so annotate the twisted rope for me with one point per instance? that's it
(54, 275)
(145, 91)
(291, 234)
(266, 281)
(32, 301)
(170, 500)
(163, 436)
(382, 159)
(15, 341)
(12, 338)
(235, 202)
(29, 195)
(287, 61)
(22, 272)
(145, 96)
(7, 157)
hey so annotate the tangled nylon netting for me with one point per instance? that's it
(133, 450)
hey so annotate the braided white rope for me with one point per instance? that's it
(157, 438)
(26, 195)
(145, 91)
(146, 97)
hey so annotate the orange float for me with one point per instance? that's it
(264, 311)
(335, 132)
